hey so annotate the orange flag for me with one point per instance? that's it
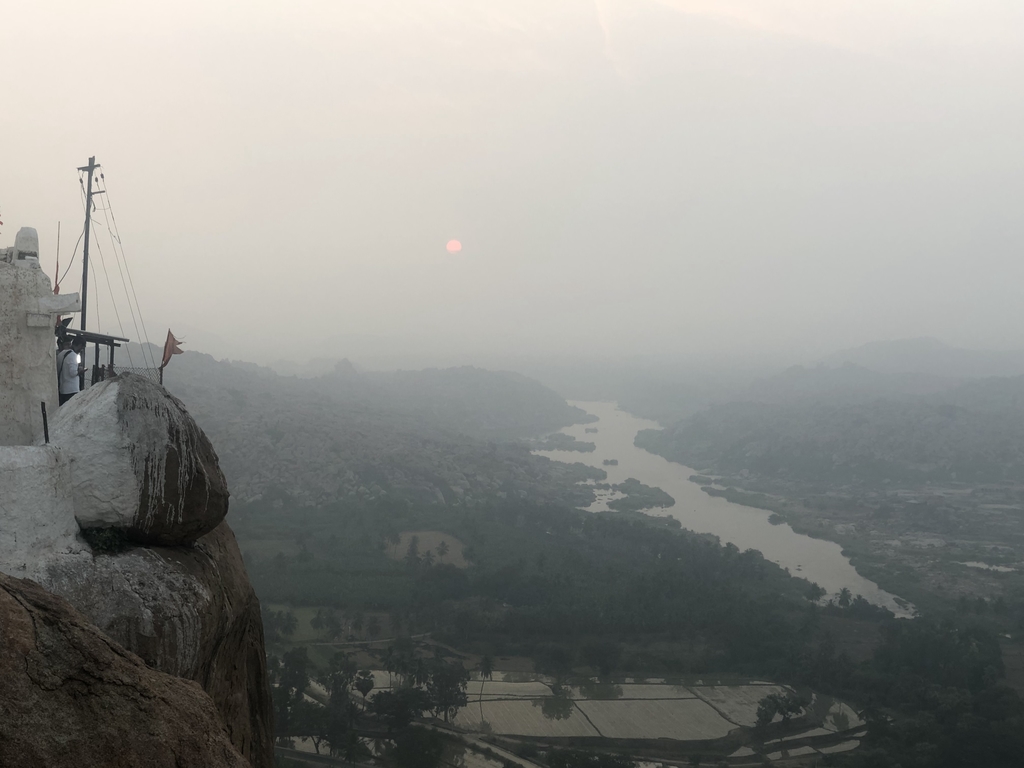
(171, 347)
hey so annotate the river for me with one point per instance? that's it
(746, 527)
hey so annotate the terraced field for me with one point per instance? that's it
(650, 691)
(695, 712)
(523, 718)
(497, 688)
(738, 703)
(681, 719)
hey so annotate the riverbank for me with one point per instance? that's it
(747, 527)
(933, 569)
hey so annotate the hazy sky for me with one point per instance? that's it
(644, 175)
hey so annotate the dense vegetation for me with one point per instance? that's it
(638, 496)
(611, 595)
(541, 576)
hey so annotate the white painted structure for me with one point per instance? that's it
(28, 313)
(37, 516)
(106, 488)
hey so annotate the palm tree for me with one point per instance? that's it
(844, 598)
(486, 670)
(442, 549)
(364, 684)
(389, 663)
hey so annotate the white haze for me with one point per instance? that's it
(684, 177)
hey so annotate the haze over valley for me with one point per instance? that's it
(512, 384)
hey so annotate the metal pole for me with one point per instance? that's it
(90, 169)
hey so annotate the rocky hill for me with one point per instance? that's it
(436, 436)
(972, 433)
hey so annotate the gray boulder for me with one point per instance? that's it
(140, 463)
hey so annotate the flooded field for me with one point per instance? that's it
(641, 710)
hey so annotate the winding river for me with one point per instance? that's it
(746, 527)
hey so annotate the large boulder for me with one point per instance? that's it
(189, 611)
(140, 463)
(73, 697)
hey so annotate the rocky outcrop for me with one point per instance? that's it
(188, 611)
(126, 463)
(141, 463)
(73, 697)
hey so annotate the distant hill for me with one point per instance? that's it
(846, 383)
(931, 356)
(436, 436)
(973, 432)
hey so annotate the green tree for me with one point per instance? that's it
(815, 592)
(419, 748)
(486, 666)
(289, 624)
(442, 549)
(389, 662)
(309, 720)
(332, 624)
(340, 676)
(601, 655)
(412, 554)
(317, 622)
(447, 688)
(397, 709)
(292, 677)
(364, 683)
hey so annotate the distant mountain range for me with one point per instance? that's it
(910, 418)
(931, 357)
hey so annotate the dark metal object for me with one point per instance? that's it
(90, 168)
(46, 424)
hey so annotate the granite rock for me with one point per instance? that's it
(72, 697)
(188, 611)
(139, 462)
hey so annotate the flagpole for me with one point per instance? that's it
(56, 271)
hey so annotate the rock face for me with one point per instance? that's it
(126, 457)
(189, 612)
(140, 463)
(72, 697)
